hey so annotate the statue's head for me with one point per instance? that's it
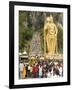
(47, 19)
(51, 18)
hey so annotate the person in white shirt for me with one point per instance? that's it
(49, 74)
(60, 71)
(40, 71)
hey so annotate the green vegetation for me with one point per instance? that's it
(25, 33)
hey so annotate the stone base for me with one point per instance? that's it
(54, 56)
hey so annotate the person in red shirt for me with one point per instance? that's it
(36, 70)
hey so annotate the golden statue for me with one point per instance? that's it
(50, 37)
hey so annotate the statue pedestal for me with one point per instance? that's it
(54, 56)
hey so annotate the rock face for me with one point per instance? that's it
(35, 45)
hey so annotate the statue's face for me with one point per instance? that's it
(51, 20)
(47, 20)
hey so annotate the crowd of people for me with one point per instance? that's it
(41, 69)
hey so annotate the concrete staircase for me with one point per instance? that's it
(35, 45)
